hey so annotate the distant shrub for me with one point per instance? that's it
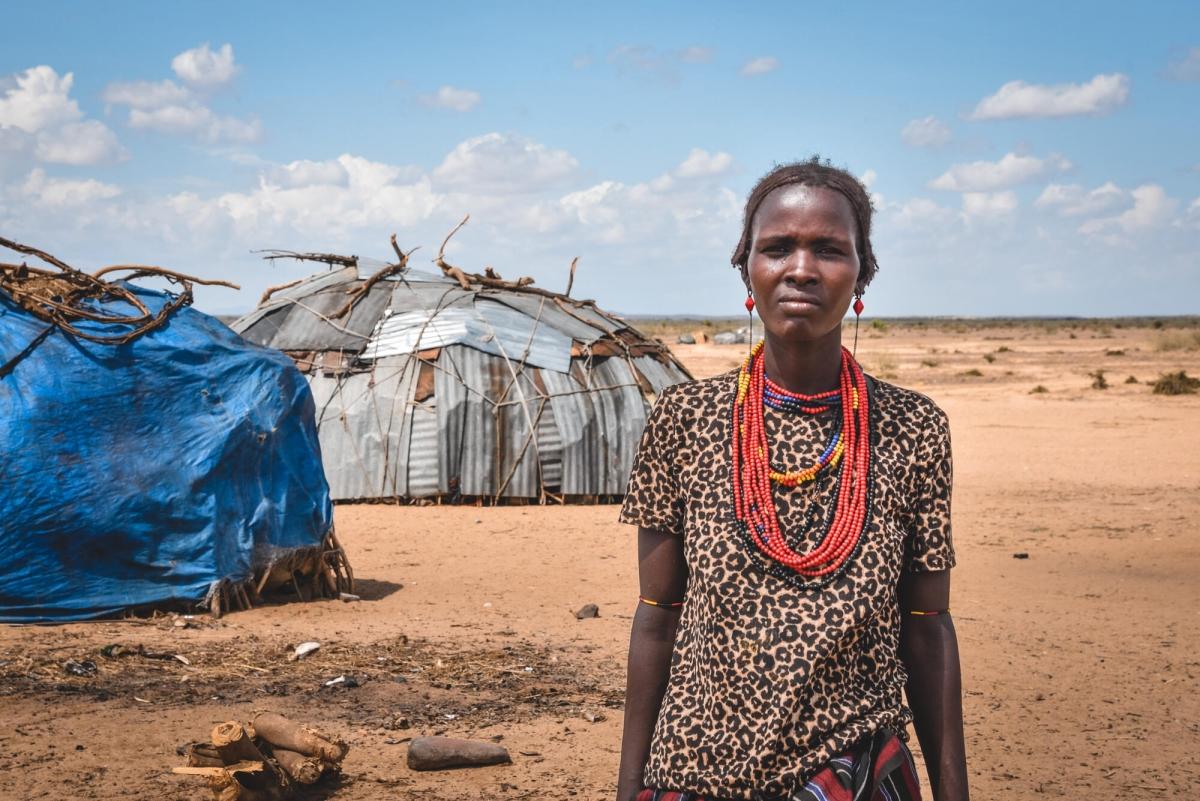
(1114, 353)
(1038, 390)
(1098, 380)
(879, 325)
(989, 358)
(1176, 384)
(929, 362)
(1004, 349)
(1131, 380)
(1177, 340)
(973, 373)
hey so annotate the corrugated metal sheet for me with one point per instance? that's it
(308, 325)
(520, 405)
(578, 433)
(624, 417)
(364, 433)
(551, 314)
(659, 375)
(488, 327)
(550, 448)
(423, 451)
(317, 282)
(410, 296)
(463, 388)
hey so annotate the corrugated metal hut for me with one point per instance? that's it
(462, 387)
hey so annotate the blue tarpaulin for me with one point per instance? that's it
(149, 472)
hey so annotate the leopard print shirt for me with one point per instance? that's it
(768, 681)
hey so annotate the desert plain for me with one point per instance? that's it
(1076, 601)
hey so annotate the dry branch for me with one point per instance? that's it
(271, 290)
(325, 258)
(571, 279)
(361, 291)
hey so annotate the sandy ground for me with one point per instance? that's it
(1080, 662)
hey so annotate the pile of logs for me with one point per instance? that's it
(263, 761)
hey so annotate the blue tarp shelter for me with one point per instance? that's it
(152, 472)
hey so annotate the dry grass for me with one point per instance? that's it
(1177, 340)
(1176, 384)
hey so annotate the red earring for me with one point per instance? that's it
(858, 309)
(749, 302)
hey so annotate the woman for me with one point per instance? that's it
(794, 545)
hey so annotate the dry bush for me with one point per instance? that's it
(1098, 380)
(1038, 390)
(1176, 384)
(1131, 380)
(1177, 340)
(973, 373)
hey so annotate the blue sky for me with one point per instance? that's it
(1031, 159)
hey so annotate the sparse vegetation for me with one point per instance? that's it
(1004, 349)
(973, 373)
(1131, 380)
(1176, 384)
(1114, 352)
(1038, 390)
(1177, 340)
(1098, 380)
(929, 362)
(989, 358)
(879, 325)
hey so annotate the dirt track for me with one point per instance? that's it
(1080, 662)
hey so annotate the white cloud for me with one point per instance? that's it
(451, 97)
(311, 173)
(40, 120)
(1073, 201)
(760, 66)
(582, 61)
(146, 94)
(868, 177)
(40, 99)
(918, 214)
(696, 54)
(1152, 208)
(80, 143)
(988, 205)
(503, 163)
(64, 194)
(203, 67)
(700, 162)
(989, 176)
(1186, 68)
(926, 132)
(1017, 99)
(198, 121)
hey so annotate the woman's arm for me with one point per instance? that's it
(929, 648)
(663, 577)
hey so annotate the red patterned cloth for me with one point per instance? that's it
(880, 768)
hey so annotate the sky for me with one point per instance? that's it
(1023, 159)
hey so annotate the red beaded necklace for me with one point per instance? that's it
(752, 473)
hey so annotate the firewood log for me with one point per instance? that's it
(302, 769)
(291, 736)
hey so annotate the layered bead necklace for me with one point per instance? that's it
(849, 447)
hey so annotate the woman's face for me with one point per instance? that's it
(803, 262)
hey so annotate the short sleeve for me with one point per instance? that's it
(931, 546)
(653, 498)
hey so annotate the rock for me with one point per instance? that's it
(440, 753)
(349, 596)
(726, 338)
(588, 610)
(686, 339)
(303, 650)
(701, 337)
(594, 717)
(75, 667)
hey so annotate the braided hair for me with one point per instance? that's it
(814, 172)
